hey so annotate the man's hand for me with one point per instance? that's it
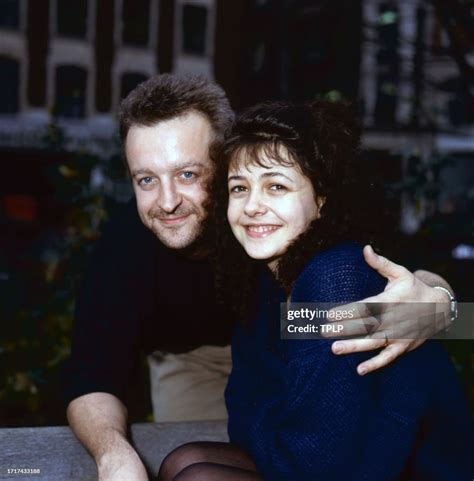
(122, 464)
(384, 323)
(99, 420)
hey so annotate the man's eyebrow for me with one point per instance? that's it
(189, 165)
(142, 171)
(177, 167)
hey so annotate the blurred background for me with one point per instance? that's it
(406, 66)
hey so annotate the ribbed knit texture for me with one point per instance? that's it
(304, 414)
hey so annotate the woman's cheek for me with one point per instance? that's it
(232, 212)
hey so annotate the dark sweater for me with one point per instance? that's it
(138, 296)
(304, 414)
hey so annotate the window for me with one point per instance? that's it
(129, 82)
(71, 84)
(194, 29)
(10, 16)
(72, 18)
(9, 80)
(135, 22)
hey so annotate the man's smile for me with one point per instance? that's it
(173, 220)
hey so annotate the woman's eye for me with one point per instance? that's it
(237, 189)
(277, 188)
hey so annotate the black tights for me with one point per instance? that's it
(206, 461)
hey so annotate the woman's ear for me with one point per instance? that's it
(320, 201)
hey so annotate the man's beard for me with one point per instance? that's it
(200, 243)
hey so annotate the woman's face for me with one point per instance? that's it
(269, 207)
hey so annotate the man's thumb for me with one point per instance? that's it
(382, 265)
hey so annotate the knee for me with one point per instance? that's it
(180, 458)
(196, 472)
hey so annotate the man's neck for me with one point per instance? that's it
(198, 250)
(195, 252)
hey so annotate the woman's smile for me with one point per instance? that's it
(270, 205)
(259, 231)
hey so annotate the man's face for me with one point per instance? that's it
(170, 168)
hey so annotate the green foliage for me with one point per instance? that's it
(38, 302)
(431, 245)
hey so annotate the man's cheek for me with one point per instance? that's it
(144, 207)
(200, 198)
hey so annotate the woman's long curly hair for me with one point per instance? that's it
(323, 140)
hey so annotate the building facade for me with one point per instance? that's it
(73, 62)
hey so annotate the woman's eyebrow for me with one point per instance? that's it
(264, 175)
(275, 174)
(235, 177)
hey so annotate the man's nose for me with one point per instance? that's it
(255, 205)
(170, 198)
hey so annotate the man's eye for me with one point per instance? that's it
(145, 181)
(187, 175)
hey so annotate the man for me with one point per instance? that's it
(150, 286)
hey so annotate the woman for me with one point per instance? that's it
(296, 412)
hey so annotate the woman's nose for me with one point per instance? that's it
(255, 205)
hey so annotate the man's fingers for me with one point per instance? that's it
(395, 349)
(414, 344)
(357, 309)
(354, 327)
(387, 356)
(382, 265)
(357, 345)
(382, 303)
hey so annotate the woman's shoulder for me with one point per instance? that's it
(344, 252)
(338, 274)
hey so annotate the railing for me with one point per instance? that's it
(53, 453)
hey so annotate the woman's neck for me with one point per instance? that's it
(273, 267)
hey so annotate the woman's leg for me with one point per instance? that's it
(216, 472)
(225, 454)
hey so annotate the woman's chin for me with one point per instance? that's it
(258, 255)
(268, 258)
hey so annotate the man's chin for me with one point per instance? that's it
(177, 240)
(176, 243)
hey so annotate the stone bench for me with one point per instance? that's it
(59, 456)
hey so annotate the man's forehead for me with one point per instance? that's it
(192, 132)
(187, 122)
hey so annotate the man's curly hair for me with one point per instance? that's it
(323, 140)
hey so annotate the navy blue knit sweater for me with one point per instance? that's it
(304, 414)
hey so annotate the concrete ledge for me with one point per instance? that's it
(60, 457)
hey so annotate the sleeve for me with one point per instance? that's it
(329, 423)
(109, 311)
